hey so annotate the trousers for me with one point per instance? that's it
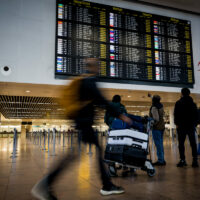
(87, 136)
(182, 133)
(158, 140)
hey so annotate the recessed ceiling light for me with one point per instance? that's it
(28, 91)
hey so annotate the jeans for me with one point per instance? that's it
(158, 140)
(87, 136)
(182, 132)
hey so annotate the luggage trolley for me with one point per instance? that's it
(129, 148)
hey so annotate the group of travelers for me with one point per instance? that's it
(90, 96)
(186, 121)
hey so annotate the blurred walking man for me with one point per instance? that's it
(84, 121)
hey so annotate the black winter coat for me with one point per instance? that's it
(90, 92)
(185, 113)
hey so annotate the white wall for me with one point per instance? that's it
(27, 41)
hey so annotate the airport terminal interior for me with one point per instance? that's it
(144, 48)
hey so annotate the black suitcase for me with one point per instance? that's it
(134, 156)
(114, 153)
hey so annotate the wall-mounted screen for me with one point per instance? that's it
(131, 45)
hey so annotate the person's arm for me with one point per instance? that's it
(195, 114)
(176, 113)
(155, 114)
(125, 119)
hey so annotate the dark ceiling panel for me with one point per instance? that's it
(26, 107)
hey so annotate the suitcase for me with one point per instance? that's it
(134, 156)
(128, 137)
(114, 153)
(125, 154)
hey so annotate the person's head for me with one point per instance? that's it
(116, 99)
(92, 65)
(185, 92)
(156, 99)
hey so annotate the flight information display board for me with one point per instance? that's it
(130, 45)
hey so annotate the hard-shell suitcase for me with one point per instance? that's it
(125, 154)
(134, 156)
(128, 137)
(114, 152)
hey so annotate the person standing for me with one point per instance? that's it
(84, 120)
(186, 119)
(157, 113)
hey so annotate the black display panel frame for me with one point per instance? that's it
(150, 48)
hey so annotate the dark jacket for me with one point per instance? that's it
(109, 117)
(90, 92)
(157, 113)
(185, 113)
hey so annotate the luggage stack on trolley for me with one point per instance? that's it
(129, 148)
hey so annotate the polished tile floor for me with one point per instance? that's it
(81, 181)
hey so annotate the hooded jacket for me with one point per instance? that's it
(185, 113)
(157, 113)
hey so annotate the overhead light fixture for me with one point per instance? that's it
(129, 96)
(28, 91)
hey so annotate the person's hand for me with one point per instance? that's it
(145, 119)
(126, 119)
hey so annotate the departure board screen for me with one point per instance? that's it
(130, 45)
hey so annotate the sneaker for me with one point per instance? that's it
(112, 190)
(195, 163)
(182, 163)
(42, 191)
(159, 163)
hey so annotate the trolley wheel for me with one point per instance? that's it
(151, 172)
(112, 170)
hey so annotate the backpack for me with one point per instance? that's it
(118, 124)
(70, 97)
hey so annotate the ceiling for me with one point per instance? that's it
(35, 101)
(26, 107)
(43, 90)
(187, 5)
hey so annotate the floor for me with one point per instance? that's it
(81, 181)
